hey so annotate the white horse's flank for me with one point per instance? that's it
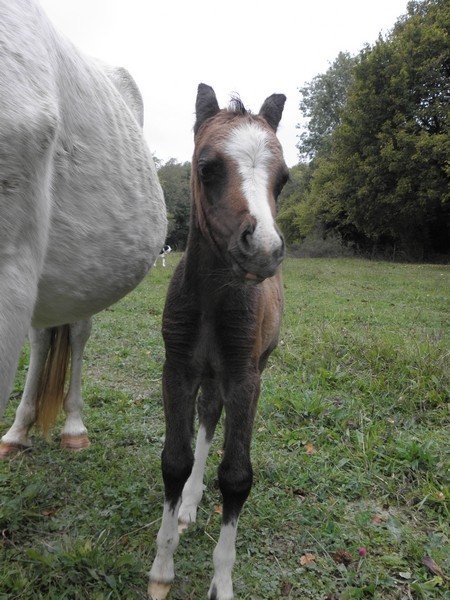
(82, 215)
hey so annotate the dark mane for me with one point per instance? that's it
(236, 106)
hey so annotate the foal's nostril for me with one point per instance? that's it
(246, 237)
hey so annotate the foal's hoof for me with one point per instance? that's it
(8, 449)
(157, 590)
(75, 442)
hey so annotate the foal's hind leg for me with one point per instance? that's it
(17, 436)
(74, 433)
(209, 410)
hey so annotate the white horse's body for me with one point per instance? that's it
(82, 215)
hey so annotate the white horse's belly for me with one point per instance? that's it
(101, 204)
(108, 219)
(95, 283)
(95, 255)
(108, 225)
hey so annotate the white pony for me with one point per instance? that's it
(82, 214)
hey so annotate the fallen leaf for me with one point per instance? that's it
(48, 513)
(429, 563)
(376, 519)
(300, 494)
(218, 509)
(310, 449)
(342, 557)
(405, 574)
(286, 588)
(307, 559)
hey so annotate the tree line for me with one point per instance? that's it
(375, 150)
(374, 147)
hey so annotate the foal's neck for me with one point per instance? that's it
(207, 269)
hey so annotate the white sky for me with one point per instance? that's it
(250, 47)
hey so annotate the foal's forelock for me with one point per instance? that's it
(252, 148)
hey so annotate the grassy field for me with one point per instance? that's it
(351, 453)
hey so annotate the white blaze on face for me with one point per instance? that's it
(248, 145)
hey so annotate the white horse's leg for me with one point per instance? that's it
(162, 572)
(224, 556)
(193, 489)
(74, 433)
(26, 144)
(17, 436)
(13, 329)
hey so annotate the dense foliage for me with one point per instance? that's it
(378, 136)
(322, 103)
(175, 181)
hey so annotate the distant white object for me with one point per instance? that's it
(163, 253)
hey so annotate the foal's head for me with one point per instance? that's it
(238, 171)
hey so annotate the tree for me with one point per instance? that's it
(387, 177)
(322, 102)
(175, 181)
(293, 221)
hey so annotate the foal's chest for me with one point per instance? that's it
(225, 336)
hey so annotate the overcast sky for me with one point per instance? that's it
(250, 47)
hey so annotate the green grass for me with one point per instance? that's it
(350, 451)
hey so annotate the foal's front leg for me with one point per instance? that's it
(179, 391)
(235, 478)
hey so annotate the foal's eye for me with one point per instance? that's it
(210, 171)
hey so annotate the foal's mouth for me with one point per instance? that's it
(250, 276)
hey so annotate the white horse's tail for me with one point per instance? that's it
(50, 393)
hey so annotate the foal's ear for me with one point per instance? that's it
(206, 105)
(272, 109)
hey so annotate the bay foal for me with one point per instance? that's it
(221, 321)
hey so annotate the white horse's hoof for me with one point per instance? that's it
(8, 449)
(158, 590)
(183, 526)
(75, 442)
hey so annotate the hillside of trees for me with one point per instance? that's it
(374, 149)
(175, 181)
(375, 153)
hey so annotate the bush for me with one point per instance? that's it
(318, 245)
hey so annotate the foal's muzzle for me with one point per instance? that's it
(256, 253)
